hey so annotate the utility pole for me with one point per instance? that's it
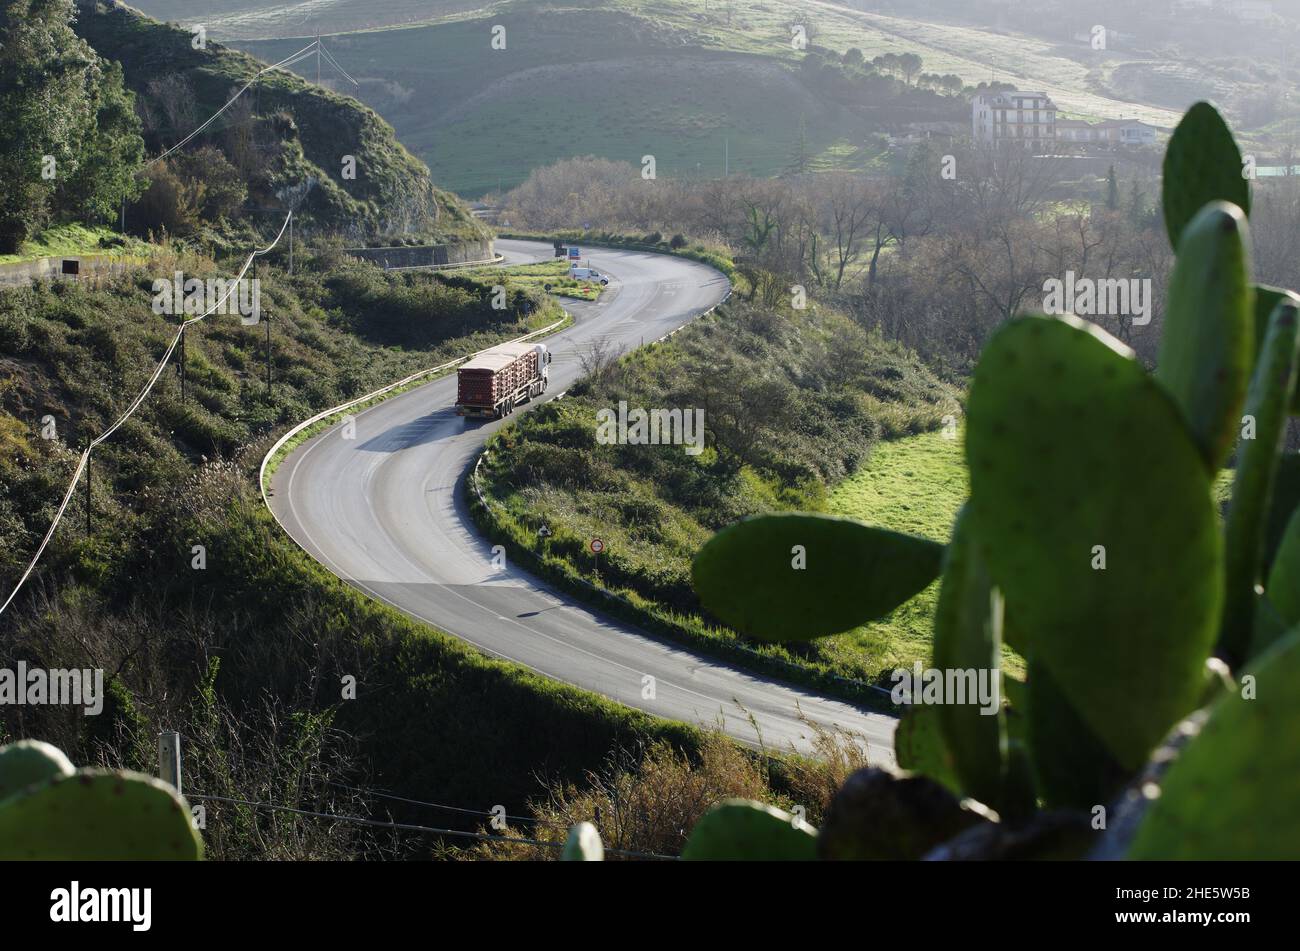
(87, 485)
(291, 243)
(182, 363)
(318, 57)
(726, 161)
(267, 317)
(169, 759)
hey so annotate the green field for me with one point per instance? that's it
(914, 485)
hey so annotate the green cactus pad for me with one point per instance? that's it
(27, 762)
(95, 815)
(745, 830)
(1208, 343)
(1283, 588)
(1202, 164)
(1232, 791)
(919, 746)
(968, 636)
(1071, 767)
(747, 575)
(1271, 390)
(1284, 504)
(583, 844)
(1266, 299)
(1072, 445)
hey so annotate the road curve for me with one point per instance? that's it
(385, 511)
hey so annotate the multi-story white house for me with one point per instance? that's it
(1025, 119)
(1029, 119)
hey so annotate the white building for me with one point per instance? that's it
(1026, 119)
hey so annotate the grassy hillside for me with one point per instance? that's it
(286, 135)
(245, 653)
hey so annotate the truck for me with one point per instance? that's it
(497, 380)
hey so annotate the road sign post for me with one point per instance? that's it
(597, 546)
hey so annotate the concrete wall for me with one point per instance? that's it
(435, 255)
(90, 267)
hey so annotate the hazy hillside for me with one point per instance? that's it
(703, 88)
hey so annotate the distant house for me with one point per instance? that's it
(1126, 132)
(1108, 134)
(1075, 130)
(1013, 117)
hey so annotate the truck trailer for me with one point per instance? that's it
(493, 383)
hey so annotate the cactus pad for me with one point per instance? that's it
(1071, 445)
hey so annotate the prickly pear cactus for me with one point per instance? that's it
(796, 577)
(1232, 791)
(96, 814)
(1208, 342)
(1267, 407)
(968, 636)
(1202, 164)
(882, 816)
(583, 844)
(1092, 509)
(27, 762)
(745, 830)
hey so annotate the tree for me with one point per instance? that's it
(909, 64)
(53, 153)
(106, 176)
(1112, 190)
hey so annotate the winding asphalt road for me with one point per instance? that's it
(385, 511)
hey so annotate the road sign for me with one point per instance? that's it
(575, 253)
(597, 546)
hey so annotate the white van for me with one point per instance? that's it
(587, 274)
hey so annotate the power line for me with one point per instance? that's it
(438, 805)
(84, 461)
(289, 61)
(409, 827)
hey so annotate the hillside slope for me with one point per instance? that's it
(292, 141)
(704, 88)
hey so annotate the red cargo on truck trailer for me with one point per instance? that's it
(497, 380)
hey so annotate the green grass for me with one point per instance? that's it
(914, 485)
(541, 273)
(74, 239)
